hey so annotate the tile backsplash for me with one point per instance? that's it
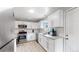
(60, 31)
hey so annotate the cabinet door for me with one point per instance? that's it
(45, 43)
(59, 45)
(42, 40)
(51, 45)
(39, 38)
(56, 19)
(34, 25)
(31, 36)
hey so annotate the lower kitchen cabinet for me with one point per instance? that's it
(39, 38)
(55, 45)
(31, 36)
(51, 45)
(43, 41)
(59, 45)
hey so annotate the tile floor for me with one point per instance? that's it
(32, 46)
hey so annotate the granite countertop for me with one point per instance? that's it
(51, 37)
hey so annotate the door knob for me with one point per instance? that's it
(66, 38)
(66, 35)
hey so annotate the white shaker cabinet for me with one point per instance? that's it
(31, 36)
(43, 41)
(40, 37)
(30, 25)
(56, 19)
(51, 45)
(59, 45)
(55, 45)
(34, 25)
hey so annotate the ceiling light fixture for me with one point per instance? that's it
(31, 11)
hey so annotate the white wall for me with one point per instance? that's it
(6, 26)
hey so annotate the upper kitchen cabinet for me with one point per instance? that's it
(30, 25)
(35, 25)
(56, 19)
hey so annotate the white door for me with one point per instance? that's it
(72, 31)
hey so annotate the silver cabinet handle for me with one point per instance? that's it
(67, 38)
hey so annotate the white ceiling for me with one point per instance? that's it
(32, 13)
